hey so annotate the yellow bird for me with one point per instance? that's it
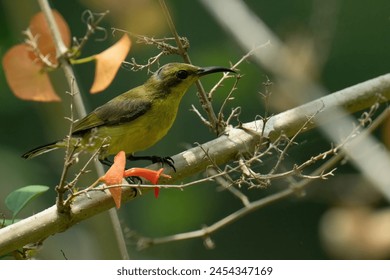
(136, 119)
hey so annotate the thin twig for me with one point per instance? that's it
(61, 51)
(69, 159)
(291, 141)
(228, 184)
(204, 100)
(235, 66)
(227, 99)
(92, 26)
(205, 232)
(32, 42)
(160, 43)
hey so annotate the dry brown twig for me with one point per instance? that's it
(162, 44)
(219, 118)
(89, 18)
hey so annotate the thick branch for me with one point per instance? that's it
(222, 149)
(48, 222)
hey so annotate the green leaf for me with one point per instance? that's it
(19, 198)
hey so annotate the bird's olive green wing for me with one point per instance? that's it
(120, 110)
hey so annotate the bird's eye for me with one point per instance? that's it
(182, 74)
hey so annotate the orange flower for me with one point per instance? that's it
(117, 172)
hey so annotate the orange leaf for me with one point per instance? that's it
(108, 63)
(114, 176)
(39, 27)
(25, 78)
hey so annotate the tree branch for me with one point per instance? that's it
(222, 150)
(62, 50)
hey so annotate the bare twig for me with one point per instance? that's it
(160, 43)
(69, 160)
(227, 183)
(88, 18)
(221, 123)
(235, 66)
(204, 100)
(227, 99)
(205, 232)
(32, 42)
(291, 141)
(61, 51)
(71, 185)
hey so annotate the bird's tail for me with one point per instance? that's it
(41, 150)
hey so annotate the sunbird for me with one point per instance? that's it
(136, 119)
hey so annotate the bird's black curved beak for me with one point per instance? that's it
(213, 69)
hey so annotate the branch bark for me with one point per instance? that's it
(222, 150)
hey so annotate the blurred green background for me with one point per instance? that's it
(358, 50)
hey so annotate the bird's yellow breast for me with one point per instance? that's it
(136, 135)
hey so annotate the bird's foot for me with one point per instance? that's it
(133, 180)
(155, 159)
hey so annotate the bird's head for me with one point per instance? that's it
(178, 77)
